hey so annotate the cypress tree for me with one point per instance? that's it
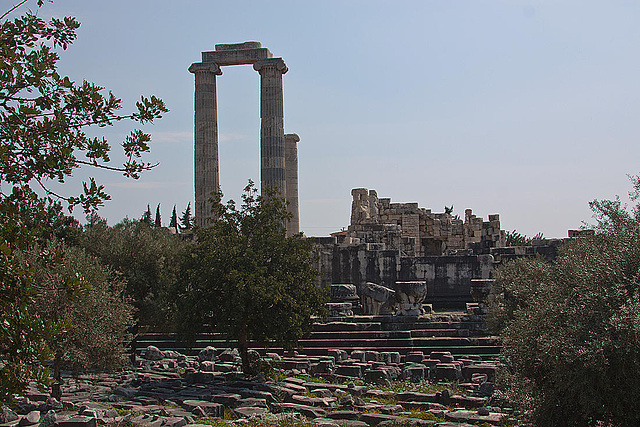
(158, 221)
(174, 218)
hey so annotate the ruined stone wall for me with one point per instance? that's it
(418, 231)
(448, 278)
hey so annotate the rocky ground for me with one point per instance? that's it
(171, 389)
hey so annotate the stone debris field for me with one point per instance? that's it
(167, 388)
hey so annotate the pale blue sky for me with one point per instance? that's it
(525, 108)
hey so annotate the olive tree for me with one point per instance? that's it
(77, 292)
(148, 259)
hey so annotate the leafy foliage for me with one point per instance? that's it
(516, 239)
(87, 300)
(571, 330)
(158, 221)
(23, 350)
(44, 119)
(173, 223)
(186, 220)
(43, 115)
(245, 277)
(146, 257)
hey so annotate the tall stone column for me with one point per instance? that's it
(291, 173)
(207, 176)
(272, 157)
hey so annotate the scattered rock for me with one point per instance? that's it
(31, 418)
(152, 353)
(207, 354)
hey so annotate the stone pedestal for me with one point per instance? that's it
(409, 298)
(377, 299)
(207, 177)
(272, 157)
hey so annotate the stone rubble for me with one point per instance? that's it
(166, 388)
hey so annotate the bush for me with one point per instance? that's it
(148, 258)
(571, 329)
(86, 301)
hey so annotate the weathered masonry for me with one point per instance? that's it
(391, 242)
(387, 243)
(278, 152)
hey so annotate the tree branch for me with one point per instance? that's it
(12, 9)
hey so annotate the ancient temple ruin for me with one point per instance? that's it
(389, 243)
(278, 152)
(419, 231)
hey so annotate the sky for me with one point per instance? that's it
(529, 109)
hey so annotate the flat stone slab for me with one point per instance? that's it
(424, 406)
(339, 422)
(473, 417)
(344, 415)
(410, 396)
(250, 411)
(323, 402)
(307, 411)
(384, 419)
(210, 408)
(77, 421)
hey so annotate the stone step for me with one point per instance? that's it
(396, 342)
(325, 335)
(440, 333)
(468, 350)
(457, 345)
(457, 332)
(393, 326)
(366, 334)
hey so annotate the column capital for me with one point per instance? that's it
(291, 137)
(211, 67)
(276, 64)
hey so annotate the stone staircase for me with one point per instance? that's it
(459, 333)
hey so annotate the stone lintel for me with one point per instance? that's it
(236, 57)
(277, 62)
(205, 66)
(238, 46)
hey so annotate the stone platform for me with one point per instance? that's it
(459, 333)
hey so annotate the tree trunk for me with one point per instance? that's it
(243, 346)
(56, 387)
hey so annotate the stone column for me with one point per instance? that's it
(272, 157)
(207, 176)
(291, 173)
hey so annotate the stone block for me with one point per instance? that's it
(152, 353)
(376, 376)
(237, 56)
(391, 357)
(307, 411)
(446, 372)
(415, 372)
(339, 309)
(78, 421)
(414, 357)
(207, 354)
(349, 371)
(371, 356)
(343, 292)
(250, 411)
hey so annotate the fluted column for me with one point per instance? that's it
(291, 174)
(272, 161)
(207, 176)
